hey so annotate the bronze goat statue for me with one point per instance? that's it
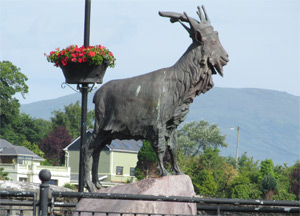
(151, 106)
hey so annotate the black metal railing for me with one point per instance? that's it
(64, 203)
(18, 202)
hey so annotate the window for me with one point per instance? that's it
(132, 171)
(53, 182)
(22, 179)
(119, 170)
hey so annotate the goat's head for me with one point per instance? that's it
(203, 33)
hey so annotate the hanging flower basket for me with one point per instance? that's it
(84, 73)
(82, 65)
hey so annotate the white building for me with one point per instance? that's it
(23, 165)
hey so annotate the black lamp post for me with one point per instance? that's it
(84, 94)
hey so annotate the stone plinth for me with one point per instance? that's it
(176, 185)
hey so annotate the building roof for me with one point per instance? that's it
(116, 145)
(8, 149)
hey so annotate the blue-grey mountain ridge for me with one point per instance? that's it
(269, 120)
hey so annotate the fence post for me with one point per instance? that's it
(45, 176)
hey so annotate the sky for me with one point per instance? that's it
(261, 37)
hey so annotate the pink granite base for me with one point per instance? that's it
(175, 185)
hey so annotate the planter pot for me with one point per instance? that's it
(79, 73)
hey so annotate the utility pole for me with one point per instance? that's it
(237, 147)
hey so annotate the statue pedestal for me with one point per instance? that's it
(175, 185)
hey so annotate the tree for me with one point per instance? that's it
(54, 143)
(71, 118)
(205, 184)
(283, 173)
(266, 178)
(266, 168)
(30, 129)
(242, 188)
(12, 81)
(3, 175)
(244, 185)
(147, 162)
(194, 137)
(269, 186)
(295, 180)
(210, 173)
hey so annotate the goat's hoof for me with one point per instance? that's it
(98, 185)
(90, 186)
(165, 173)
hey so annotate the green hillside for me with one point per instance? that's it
(269, 120)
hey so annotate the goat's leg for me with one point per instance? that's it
(95, 177)
(172, 147)
(96, 157)
(160, 149)
(87, 153)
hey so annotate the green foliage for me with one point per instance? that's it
(34, 148)
(266, 168)
(18, 129)
(12, 81)
(147, 162)
(211, 168)
(205, 184)
(295, 180)
(248, 167)
(3, 175)
(242, 188)
(70, 186)
(194, 137)
(71, 119)
(269, 186)
(267, 179)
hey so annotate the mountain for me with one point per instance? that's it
(269, 120)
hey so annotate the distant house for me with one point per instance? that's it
(23, 165)
(117, 161)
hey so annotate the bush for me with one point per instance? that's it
(70, 186)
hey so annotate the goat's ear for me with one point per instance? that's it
(198, 37)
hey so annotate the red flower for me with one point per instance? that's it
(64, 62)
(84, 59)
(91, 53)
(73, 59)
(79, 60)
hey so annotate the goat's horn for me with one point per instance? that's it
(200, 14)
(206, 16)
(202, 18)
(192, 22)
(186, 28)
(174, 17)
